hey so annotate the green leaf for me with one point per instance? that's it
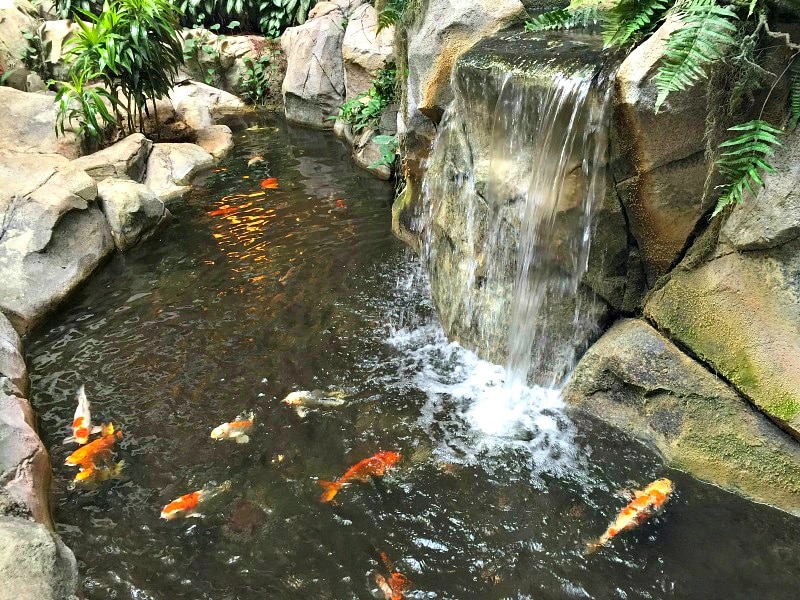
(630, 18)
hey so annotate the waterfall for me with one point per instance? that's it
(509, 192)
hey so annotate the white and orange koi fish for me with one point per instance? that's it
(188, 504)
(82, 421)
(645, 504)
(235, 430)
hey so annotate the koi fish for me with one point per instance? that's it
(644, 505)
(393, 586)
(304, 400)
(100, 449)
(374, 466)
(187, 505)
(255, 160)
(235, 430)
(270, 183)
(95, 474)
(82, 421)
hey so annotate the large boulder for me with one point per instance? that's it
(54, 36)
(734, 301)
(217, 140)
(133, 210)
(637, 380)
(12, 360)
(172, 167)
(28, 122)
(200, 105)
(35, 564)
(365, 51)
(127, 159)
(17, 17)
(24, 463)
(53, 235)
(314, 88)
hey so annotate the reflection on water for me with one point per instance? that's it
(252, 293)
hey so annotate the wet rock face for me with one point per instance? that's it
(53, 233)
(636, 379)
(35, 564)
(734, 301)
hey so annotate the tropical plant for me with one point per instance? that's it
(84, 105)
(270, 17)
(709, 35)
(35, 53)
(365, 110)
(388, 145)
(255, 84)
(390, 12)
(201, 52)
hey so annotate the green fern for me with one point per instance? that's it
(390, 12)
(744, 159)
(628, 18)
(794, 94)
(564, 18)
(707, 33)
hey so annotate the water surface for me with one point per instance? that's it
(248, 296)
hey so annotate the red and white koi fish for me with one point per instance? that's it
(374, 466)
(235, 430)
(98, 450)
(82, 421)
(188, 504)
(645, 504)
(393, 586)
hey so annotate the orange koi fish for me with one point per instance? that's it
(644, 505)
(393, 586)
(95, 474)
(270, 183)
(187, 505)
(374, 466)
(235, 430)
(82, 421)
(86, 456)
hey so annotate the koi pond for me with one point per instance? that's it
(251, 294)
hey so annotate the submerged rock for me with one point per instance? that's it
(127, 159)
(28, 122)
(734, 301)
(637, 380)
(35, 564)
(171, 168)
(53, 235)
(133, 210)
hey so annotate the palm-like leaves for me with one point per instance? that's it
(707, 33)
(744, 159)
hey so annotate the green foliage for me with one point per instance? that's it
(201, 55)
(628, 19)
(34, 56)
(388, 145)
(565, 18)
(744, 160)
(794, 93)
(80, 104)
(270, 17)
(131, 49)
(255, 85)
(707, 33)
(365, 110)
(390, 12)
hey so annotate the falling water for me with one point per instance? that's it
(510, 190)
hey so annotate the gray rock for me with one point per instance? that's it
(27, 124)
(637, 380)
(364, 50)
(734, 301)
(54, 36)
(34, 83)
(217, 140)
(24, 463)
(200, 105)
(127, 159)
(366, 153)
(388, 125)
(171, 168)
(344, 131)
(16, 18)
(52, 237)
(314, 88)
(133, 211)
(12, 359)
(35, 564)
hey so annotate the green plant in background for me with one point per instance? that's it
(201, 51)
(270, 17)
(255, 84)
(87, 106)
(710, 35)
(365, 110)
(388, 145)
(390, 12)
(35, 54)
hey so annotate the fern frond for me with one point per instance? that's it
(794, 93)
(565, 18)
(744, 159)
(630, 17)
(389, 12)
(707, 33)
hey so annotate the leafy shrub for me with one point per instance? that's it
(255, 85)
(388, 145)
(77, 101)
(269, 17)
(365, 109)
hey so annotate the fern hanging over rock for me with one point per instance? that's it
(630, 18)
(708, 31)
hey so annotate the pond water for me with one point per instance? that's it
(246, 297)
